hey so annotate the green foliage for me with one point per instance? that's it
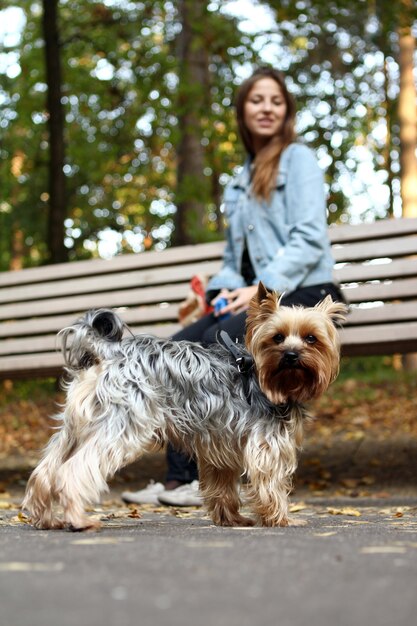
(120, 94)
(344, 63)
(28, 390)
(123, 98)
(368, 369)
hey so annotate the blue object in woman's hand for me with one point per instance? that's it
(220, 304)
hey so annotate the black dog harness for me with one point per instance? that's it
(245, 366)
(243, 360)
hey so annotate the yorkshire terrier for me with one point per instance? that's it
(239, 411)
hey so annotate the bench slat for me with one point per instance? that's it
(400, 312)
(374, 230)
(372, 292)
(103, 283)
(50, 343)
(360, 272)
(40, 326)
(363, 251)
(22, 366)
(128, 297)
(95, 267)
(51, 362)
(381, 339)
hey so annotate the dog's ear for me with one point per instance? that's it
(261, 306)
(337, 311)
(262, 292)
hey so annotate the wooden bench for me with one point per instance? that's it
(376, 265)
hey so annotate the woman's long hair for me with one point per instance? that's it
(266, 161)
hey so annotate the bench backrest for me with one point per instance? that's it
(375, 263)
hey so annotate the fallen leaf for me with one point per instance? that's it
(20, 518)
(102, 541)
(297, 522)
(345, 511)
(20, 566)
(295, 508)
(383, 550)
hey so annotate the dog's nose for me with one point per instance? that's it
(290, 357)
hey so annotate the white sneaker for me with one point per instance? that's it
(186, 495)
(149, 495)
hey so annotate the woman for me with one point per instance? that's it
(276, 233)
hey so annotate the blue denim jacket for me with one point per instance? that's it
(286, 237)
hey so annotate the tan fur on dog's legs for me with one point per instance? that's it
(41, 491)
(219, 488)
(81, 480)
(270, 464)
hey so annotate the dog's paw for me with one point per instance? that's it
(55, 524)
(235, 520)
(273, 523)
(86, 526)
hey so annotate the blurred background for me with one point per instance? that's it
(117, 130)
(118, 134)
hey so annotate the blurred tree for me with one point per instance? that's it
(407, 110)
(144, 140)
(123, 102)
(344, 60)
(57, 215)
(192, 190)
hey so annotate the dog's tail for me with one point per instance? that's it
(92, 338)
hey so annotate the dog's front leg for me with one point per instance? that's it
(220, 492)
(81, 480)
(270, 462)
(41, 488)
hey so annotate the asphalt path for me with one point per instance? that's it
(341, 564)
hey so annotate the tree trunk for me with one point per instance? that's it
(408, 131)
(388, 145)
(17, 248)
(407, 112)
(57, 195)
(192, 184)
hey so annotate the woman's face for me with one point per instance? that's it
(264, 111)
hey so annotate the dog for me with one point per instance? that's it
(239, 411)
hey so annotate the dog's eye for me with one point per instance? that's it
(279, 338)
(310, 339)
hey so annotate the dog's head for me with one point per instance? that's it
(296, 350)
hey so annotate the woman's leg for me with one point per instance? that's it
(195, 332)
(205, 330)
(310, 296)
(181, 468)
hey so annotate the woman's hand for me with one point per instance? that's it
(238, 300)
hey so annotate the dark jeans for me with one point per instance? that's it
(180, 466)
